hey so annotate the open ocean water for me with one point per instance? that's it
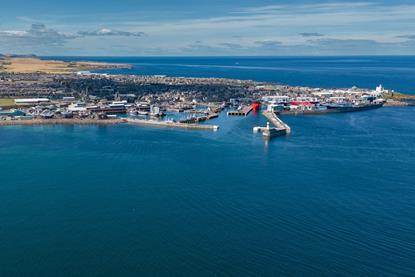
(335, 198)
(396, 72)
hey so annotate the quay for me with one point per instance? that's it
(280, 129)
(269, 132)
(199, 118)
(274, 119)
(212, 116)
(61, 121)
(243, 111)
(171, 124)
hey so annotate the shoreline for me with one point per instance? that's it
(29, 122)
(107, 122)
(178, 125)
(277, 122)
(29, 65)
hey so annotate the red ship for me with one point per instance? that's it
(256, 106)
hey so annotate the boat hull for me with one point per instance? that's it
(333, 110)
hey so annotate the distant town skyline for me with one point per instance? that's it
(208, 28)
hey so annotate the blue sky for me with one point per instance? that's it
(215, 27)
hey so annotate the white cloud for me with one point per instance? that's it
(286, 18)
(37, 34)
(108, 32)
(270, 30)
(311, 34)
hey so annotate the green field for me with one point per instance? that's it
(6, 102)
(399, 96)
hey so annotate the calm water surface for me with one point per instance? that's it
(395, 72)
(337, 197)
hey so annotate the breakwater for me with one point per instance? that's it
(200, 118)
(274, 119)
(173, 124)
(142, 122)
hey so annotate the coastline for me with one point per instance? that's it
(28, 122)
(167, 124)
(108, 122)
(35, 64)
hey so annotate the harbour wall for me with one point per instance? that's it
(173, 124)
(274, 119)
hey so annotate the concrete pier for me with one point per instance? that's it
(270, 132)
(171, 124)
(244, 111)
(280, 129)
(197, 119)
(276, 121)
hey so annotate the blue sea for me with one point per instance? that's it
(394, 73)
(335, 198)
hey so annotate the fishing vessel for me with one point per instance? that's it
(46, 114)
(331, 108)
(256, 106)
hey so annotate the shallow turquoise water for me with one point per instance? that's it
(337, 197)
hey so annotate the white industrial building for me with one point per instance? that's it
(31, 101)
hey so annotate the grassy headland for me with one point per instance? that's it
(6, 102)
(397, 96)
(36, 65)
